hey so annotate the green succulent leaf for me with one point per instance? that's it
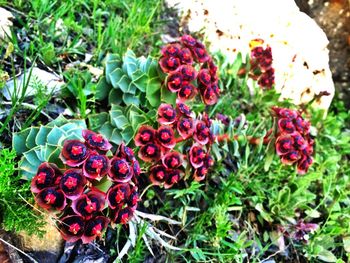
(19, 141)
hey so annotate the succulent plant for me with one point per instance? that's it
(122, 123)
(131, 80)
(44, 143)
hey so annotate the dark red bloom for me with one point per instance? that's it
(208, 161)
(94, 228)
(267, 79)
(173, 177)
(88, 204)
(96, 141)
(212, 69)
(51, 198)
(146, 134)
(166, 114)
(71, 227)
(171, 50)
(188, 40)
(120, 171)
(172, 160)
(285, 113)
(185, 127)
(149, 152)
(169, 64)
(136, 167)
(197, 156)
(257, 52)
(73, 183)
(118, 195)
(48, 175)
(202, 133)
(188, 72)
(299, 141)
(302, 125)
(187, 92)
(200, 53)
(96, 166)
(133, 199)
(204, 77)
(122, 215)
(74, 153)
(158, 174)
(174, 81)
(209, 96)
(290, 157)
(284, 144)
(303, 164)
(125, 152)
(165, 136)
(185, 56)
(183, 109)
(200, 173)
(286, 125)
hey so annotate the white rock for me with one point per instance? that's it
(299, 46)
(5, 23)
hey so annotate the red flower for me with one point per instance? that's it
(73, 183)
(173, 177)
(133, 199)
(174, 81)
(188, 72)
(185, 127)
(94, 228)
(303, 164)
(200, 173)
(285, 113)
(51, 198)
(202, 133)
(96, 141)
(166, 114)
(88, 204)
(197, 156)
(208, 161)
(286, 125)
(172, 160)
(149, 152)
(187, 92)
(96, 166)
(48, 175)
(74, 153)
(284, 144)
(168, 64)
(72, 227)
(210, 96)
(302, 125)
(118, 195)
(171, 50)
(290, 157)
(122, 215)
(204, 77)
(267, 79)
(183, 109)
(188, 40)
(158, 174)
(125, 152)
(185, 56)
(165, 136)
(146, 134)
(120, 171)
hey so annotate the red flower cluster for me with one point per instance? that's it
(177, 61)
(157, 145)
(261, 64)
(73, 191)
(293, 142)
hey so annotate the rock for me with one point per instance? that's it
(299, 46)
(50, 80)
(5, 23)
(47, 248)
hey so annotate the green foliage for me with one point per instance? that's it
(15, 213)
(122, 123)
(130, 80)
(44, 143)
